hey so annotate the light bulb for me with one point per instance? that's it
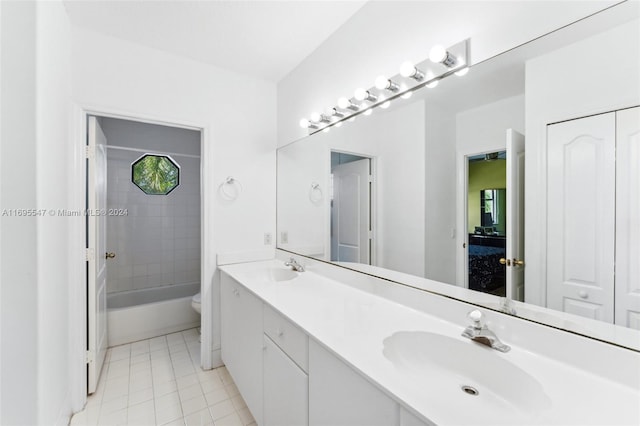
(326, 129)
(437, 53)
(368, 112)
(407, 95)
(385, 105)
(315, 116)
(462, 72)
(332, 112)
(339, 124)
(304, 123)
(407, 69)
(382, 82)
(433, 84)
(344, 103)
(360, 94)
(352, 119)
(364, 95)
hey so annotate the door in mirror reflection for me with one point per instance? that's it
(350, 208)
(486, 218)
(495, 219)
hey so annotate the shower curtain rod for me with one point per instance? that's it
(147, 151)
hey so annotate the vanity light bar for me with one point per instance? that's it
(442, 62)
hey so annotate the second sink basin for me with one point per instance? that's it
(465, 372)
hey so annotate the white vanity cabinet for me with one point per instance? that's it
(286, 387)
(408, 419)
(286, 383)
(242, 341)
(340, 396)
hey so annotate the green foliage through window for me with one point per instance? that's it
(155, 174)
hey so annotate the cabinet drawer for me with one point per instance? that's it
(292, 340)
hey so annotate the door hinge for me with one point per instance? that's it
(371, 235)
(90, 357)
(89, 151)
(89, 254)
(370, 178)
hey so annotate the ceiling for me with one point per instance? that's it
(264, 39)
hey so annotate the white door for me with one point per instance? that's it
(627, 288)
(96, 241)
(350, 212)
(286, 389)
(580, 214)
(515, 215)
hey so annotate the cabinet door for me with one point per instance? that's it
(408, 419)
(581, 216)
(286, 389)
(241, 337)
(339, 396)
(628, 218)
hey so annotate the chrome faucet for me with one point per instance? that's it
(479, 332)
(294, 265)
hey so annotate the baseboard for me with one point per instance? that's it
(216, 358)
(64, 416)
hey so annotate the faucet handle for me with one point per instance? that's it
(476, 316)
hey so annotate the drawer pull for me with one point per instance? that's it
(280, 333)
(236, 292)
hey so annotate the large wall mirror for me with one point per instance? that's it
(515, 187)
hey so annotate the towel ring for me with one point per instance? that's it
(315, 193)
(230, 189)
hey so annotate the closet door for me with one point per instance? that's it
(581, 216)
(627, 294)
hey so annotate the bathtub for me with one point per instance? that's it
(142, 314)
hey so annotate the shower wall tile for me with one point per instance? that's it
(158, 242)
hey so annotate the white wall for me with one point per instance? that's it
(18, 235)
(34, 264)
(484, 128)
(381, 35)
(238, 116)
(157, 240)
(584, 83)
(440, 187)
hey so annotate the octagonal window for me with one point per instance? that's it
(155, 174)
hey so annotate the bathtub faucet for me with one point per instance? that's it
(294, 265)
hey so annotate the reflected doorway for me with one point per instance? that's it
(486, 222)
(351, 213)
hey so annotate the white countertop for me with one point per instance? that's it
(354, 324)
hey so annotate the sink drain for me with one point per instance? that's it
(470, 390)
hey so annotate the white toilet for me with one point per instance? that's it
(196, 303)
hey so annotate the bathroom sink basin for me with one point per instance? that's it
(465, 372)
(282, 274)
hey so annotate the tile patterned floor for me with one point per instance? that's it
(159, 382)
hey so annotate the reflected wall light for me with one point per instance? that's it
(364, 95)
(383, 83)
(345, 103)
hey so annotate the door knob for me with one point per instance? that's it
(110, 255)
(504, 261)
(517, 262)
